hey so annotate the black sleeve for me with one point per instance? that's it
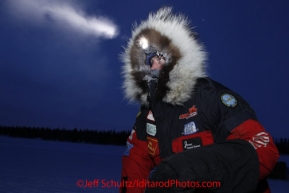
(225, 109)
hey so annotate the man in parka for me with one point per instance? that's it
(191, 131)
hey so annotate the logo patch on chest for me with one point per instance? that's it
(150, 116)
(192, 112)
(151, 129)
(190, 128)
(192, 143)
(152, 145)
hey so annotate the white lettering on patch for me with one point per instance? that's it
(151, 129)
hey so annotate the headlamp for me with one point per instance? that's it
(149, 50)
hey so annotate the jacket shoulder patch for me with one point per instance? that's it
(228, 100)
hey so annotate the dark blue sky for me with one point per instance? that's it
(60, 68)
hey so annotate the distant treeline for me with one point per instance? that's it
(282, 145)
(76, 135)
(110, 137)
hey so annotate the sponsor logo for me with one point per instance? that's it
(229, 100)
(192, 112)
(150, 116)
(190, 128)
(192, 143)
(151, 129)
(152, 145)
(127, 149)
(259, 140)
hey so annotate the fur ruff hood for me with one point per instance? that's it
(185, 58)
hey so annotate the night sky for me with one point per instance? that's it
(60, 66)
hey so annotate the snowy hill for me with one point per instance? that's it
(34, 165)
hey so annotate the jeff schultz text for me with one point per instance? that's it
(146, 183)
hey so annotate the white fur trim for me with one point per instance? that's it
(188, 68)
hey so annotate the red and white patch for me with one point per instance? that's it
(193, 111)
(260, 139)
(152, 146)
(150, 116)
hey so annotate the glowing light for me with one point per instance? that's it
(143, 43)
(65, 15)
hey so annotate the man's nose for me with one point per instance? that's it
(155, 63)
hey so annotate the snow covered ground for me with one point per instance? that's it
(34, 165)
